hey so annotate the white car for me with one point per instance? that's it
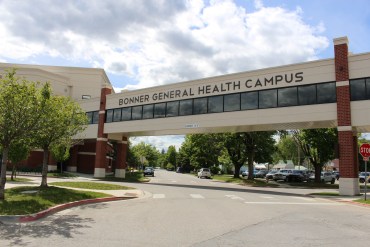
(204, 173)
(326, 177)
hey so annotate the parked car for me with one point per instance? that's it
(281, 174)
(204, 173)
(246, 172)
(336, 174)
(362, 176)
(297, 176)
(326, 177)
(270, 174)
(260, 174)
(149, 171)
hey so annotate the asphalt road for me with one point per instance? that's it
(182, 210)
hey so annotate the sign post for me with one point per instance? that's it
(365, 152)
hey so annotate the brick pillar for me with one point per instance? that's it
(102, 140)
(120, 171)
(348, 182)
(72, 166)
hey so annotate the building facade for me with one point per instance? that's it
(329, 93)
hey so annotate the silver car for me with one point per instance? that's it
(204, 173)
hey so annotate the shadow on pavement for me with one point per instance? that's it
(21, 234)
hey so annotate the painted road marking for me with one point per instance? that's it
(197, 196)
(296, 203)
(158, 196)
(234, 197)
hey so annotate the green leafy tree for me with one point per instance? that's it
(21, 104)
(62, 119)
(60, 152)
(288, 149)
(18, 151)
(249, 147)
(147, 151)
(171, 156)
(318, 145)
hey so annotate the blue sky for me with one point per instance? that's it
(145, 43)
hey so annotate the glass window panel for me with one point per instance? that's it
(267, 99)
(358, 89)
(126, 113)
(216, 104)
(117, 115)
(95, 119)
(326, 93)
(368, 88)
(232, 102)
(148, 111)
(186, 107)
(172, 109)
(287, 96)
(109, 117)
(200, 106)
(307, 95)
(137, 112)
(89, 117)
(159, 110)
(249, 101)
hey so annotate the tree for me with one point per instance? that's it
(318, 145)
(147, 151)
(60, 152)
(21, 105)
(249, 147)
(287, 149)
(18, 151)
(62, 119)
(171, 156)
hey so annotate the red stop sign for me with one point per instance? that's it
(365, 150)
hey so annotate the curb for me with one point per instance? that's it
(55, 209)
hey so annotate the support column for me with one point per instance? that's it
(348, 167)
(120, 171)
(102, 140)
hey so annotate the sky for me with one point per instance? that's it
(145, 43)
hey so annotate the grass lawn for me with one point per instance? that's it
(18, 180)
(363, 201)
(37, 199)
(132, 177)
(254, 183)
(61, 175)
(91, 185)
(326, 194)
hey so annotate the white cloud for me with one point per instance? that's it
(156, 42)
(160, 143)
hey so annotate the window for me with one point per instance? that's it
(326, 93)
(216, 104)
(126, 114)
(172, 109)
(267, 99)
(117, 115)
(307, 95)
(137, 112)
(232, 102)
(89, 117)
(200, 106)
(160, 110)
(287, 96)
(186, 107)
(95, 118)
(109, 116)
(148, 111)
(249, 101)
(358, 89)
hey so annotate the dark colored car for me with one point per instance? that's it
(297, 176)
(149, 171)
(260, 174)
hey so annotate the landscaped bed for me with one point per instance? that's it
(91, 185)
(32, 199)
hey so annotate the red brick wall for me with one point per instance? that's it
(347, 166)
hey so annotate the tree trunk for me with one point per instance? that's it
(317, 173)
(237, 170)
(3, 173)
(44, 182)
(250, 166)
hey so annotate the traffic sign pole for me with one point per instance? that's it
(365, 152)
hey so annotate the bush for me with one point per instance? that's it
(215, 170)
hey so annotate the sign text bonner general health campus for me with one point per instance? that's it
(214, 89)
